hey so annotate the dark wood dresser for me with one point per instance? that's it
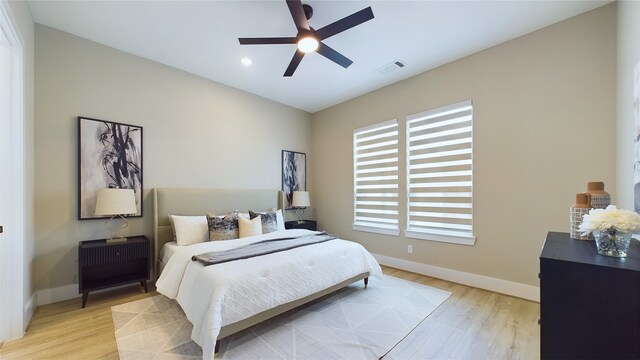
(589, 303)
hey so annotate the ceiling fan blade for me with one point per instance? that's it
(346, 23)
(333, 55)
(267, 41)
(293, 65)
(297, 13)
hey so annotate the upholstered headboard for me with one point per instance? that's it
(188, 201)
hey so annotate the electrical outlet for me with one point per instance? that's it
(410, 249)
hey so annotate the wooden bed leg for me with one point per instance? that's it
(217, 348)
(366, 281)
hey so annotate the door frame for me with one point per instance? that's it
(12, 178)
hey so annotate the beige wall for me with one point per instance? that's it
(537, 99)
(544, 110)
(197, 133)
(22, 15)
(628, 57)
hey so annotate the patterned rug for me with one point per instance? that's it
(352, 323)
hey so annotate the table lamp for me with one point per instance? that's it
(300, 202)
(116, 202)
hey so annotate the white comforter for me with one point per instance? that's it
(218, 295)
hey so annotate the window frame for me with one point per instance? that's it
(369, 228)
(410, 232)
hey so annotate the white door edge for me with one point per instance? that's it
(12, 179)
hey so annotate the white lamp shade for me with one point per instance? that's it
(116, 202)
(300, 199)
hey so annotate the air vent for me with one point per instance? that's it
(391, 67)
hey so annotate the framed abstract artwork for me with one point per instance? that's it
(294, 174)
(636, 137)
(109, 156)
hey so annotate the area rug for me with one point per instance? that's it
(352, 323)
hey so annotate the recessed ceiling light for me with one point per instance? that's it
(246, 61)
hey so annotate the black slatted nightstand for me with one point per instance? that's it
(304, 224)
(103, 265)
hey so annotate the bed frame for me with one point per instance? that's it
(189, 201)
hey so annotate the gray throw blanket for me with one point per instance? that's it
(261, 248)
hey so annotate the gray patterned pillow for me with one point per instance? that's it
(223, 228)
(269, 220)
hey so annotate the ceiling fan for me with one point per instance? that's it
(309, 39)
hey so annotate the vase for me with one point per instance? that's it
(576, 213)
(612, 242)
(598, 198)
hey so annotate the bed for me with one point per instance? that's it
(223, 299)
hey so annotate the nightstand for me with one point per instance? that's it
(304, 224)
(103, 265)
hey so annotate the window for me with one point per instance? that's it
(375, 178)
(440, 174)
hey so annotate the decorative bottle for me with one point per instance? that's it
(576, 212)
(598, 198)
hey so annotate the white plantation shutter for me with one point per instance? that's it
(375, 178)
(440, 174)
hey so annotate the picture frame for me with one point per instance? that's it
(103, 147)
(294, 174)
(636, 137)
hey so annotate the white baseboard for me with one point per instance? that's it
(48, 296)
(480, 281)
(66, 292)
(60, 293)
(29, 309)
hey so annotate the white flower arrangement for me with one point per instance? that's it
(609, 219)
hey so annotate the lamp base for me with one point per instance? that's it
(116, 236)
(299, 213)
(116, 240)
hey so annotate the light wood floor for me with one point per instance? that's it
(66, 331)
(471, 324)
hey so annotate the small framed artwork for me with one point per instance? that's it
(109, 156)
(294, 174)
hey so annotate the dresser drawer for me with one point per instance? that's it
(113, 253)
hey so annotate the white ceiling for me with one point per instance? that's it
(201, 37)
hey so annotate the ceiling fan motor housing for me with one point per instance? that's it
(308, 11)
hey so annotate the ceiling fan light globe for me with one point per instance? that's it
(308, 44)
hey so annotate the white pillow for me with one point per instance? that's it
(280, 219)
(251, 227)
(190, 229)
